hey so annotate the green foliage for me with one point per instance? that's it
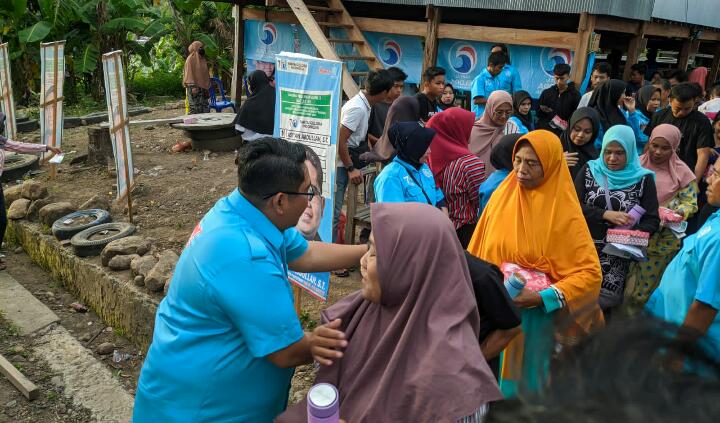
(35, 33)
(157, 84)
(87, 61)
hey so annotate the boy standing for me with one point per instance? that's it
(558, 102)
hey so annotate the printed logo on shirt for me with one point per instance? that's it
(462, 57)
(267, 33)
(549, 57)
(704, 231)
(409, 181)
(195, 232)
(427, 172)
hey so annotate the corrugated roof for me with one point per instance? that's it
(695, 12)
(632, 9)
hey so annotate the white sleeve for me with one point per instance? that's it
(351, 117)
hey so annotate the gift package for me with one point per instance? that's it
(628, 237)
(535, 280)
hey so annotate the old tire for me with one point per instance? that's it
(91, 241)
(62, 230)
(220, 144)
(16, 165)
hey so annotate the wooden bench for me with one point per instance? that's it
(359, 214)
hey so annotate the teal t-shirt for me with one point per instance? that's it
(400, 182)
(229, 305)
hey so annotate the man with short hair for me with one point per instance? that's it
(677, 76)
(487, 82)
(354, 120)
(665, 87)
(697, 132)
(378, 114)
(637, 78)
(433, 84)
(601, 72)
(226, 336)
(509, 77)
(558, 102)
(309, 223)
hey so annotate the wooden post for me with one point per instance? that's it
(713, 75)
(433, 15)
(635, 47)
(586, 27)
(688, 49)
(298, 300)
(27, 388)
(239, 56)
(53, 167)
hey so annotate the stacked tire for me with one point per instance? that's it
(89, 237)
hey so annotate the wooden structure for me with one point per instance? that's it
(23, 384)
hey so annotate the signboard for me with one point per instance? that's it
(308, 93)
(7, 103)
(264, 40)
(52, 74)
(464, 60)
(118, 118)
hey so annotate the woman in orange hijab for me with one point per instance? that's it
(534, 220)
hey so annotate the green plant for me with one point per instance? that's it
(52, 395)
(306, 321)
(119, 331)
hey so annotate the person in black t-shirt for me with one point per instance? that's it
(499, 319)
(379, 112)
(433, 84)
(697, 132)
(560, 100)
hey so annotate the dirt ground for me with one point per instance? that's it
(173, 191)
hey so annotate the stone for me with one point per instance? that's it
(18, 209)
(167, 286)
(57, 381)
(13, 193)
(162, 272)
(35, 206)
(18, 250)
(139, 280)
(11, 404)
(105, 348)
(96, 202)
(143, 265)
(18, 359)
(62, 408)
(124, 246)
(85, 337)
(54, 211)
(33, 190)
(122, 262)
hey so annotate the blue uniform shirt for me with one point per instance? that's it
(692, 276)
(483, 85)
(510, 79)
(229, 305)
(395, 185)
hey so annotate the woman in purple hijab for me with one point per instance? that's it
(413, 353)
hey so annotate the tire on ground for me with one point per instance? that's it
(83, 246)
(62, 231)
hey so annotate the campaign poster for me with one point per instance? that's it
(52, 74)
(116, 97)
(464, 60)
(308, 93)
(7, 103)
(263, 40)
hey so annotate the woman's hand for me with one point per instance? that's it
(629, 103)
(528, 299)
(55, 150)
(324, 340)
(618, 218)
(571, 159)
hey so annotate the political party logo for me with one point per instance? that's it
(267, 33)
(549, 57)
(390, 51)
(463, 58)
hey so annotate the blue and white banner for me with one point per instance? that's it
(307, 110)
(403, 51)
(263, 40)
(464, 60)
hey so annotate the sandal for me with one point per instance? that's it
(343, 273)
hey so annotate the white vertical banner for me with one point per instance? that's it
(116, 97)
(52, 74)
(7, 103)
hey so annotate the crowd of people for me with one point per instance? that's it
(512, 247)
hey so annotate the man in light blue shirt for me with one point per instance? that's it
(226, 336)
(488, 81)
(509, 77)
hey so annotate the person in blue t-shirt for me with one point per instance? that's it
(226, 336)
(509, 77)
(501, 157)
(689, 292)
(489, 80)
(408, 179)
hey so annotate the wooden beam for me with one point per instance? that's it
(238, 56)
(637, 43)
(713, 75)
(392, 26)
(707, 35)
(27, 388)
(688, 49)
(434, 15)
(658, 29)
(525, 37)
(269, 16)
(609, 23)
(586, 27)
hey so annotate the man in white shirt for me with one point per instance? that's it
(601, 73)
(354, 119)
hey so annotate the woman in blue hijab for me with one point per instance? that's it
(608, 188)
